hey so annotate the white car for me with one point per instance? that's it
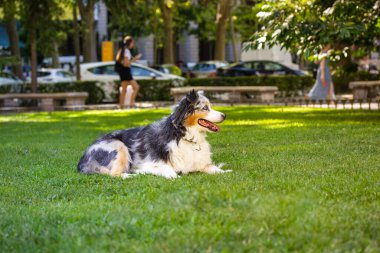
(7, 79)
(53, 76)
(104, 72)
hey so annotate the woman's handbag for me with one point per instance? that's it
(118, 66)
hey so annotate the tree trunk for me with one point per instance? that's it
(55, 56)
(33, 54)
(76, 43)
(167, 14)
(87, 15)
(233, 40)
(222, 16)
(10, 22)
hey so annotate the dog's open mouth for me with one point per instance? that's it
(208, 124)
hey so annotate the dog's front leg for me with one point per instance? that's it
(213, 169)
(158, 170)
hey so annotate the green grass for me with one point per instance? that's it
(305, 180)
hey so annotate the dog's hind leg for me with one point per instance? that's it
(121, 164)
(106, 157)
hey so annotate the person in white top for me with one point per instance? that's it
(125, 59)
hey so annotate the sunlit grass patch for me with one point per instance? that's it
(303, 180)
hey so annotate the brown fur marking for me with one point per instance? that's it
(193, 119)
(121, 163)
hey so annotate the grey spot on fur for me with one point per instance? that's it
(103, 157)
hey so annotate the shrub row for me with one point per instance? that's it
(95, 92)
(287, 85)
(342, 79)
(152, 90)
(159, 90)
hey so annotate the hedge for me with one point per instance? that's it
(287, 85)
(152, 90)
(94, 90)
(159, 90)
(342, 79)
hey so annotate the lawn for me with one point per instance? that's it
(305, 180)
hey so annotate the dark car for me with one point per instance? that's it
(252, 68)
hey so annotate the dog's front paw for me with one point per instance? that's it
(170, 175)
(213, 169)
(127, 175)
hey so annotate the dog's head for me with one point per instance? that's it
(195, 111)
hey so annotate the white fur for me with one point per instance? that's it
(158, 169)
(191, 154)
(214, 116)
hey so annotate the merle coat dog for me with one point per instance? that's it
(175, 144)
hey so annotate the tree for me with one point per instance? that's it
(166, 19)
(166, 7)
(305, 26)
(10, 10)
(223, 16)
(37, 17)
(86, 10)
(76, 42)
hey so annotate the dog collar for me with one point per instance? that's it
(196, 146)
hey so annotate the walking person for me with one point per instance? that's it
(124, 60)
(323, 87)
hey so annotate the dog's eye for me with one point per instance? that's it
(205, 108)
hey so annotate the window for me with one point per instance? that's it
(103, 70)
(204, 67)
(259, 66)
(64, 74)
(247, 65)
(137, 71)
(6, 75)
(270, 66)
(43, 73)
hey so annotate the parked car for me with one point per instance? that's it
(104, 71)
(53, 76)
(251, 68)
(207, 68)
(66, 62)
(7, 79)
(168, 69)
(186, 68)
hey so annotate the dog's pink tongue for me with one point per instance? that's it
(209, 125)
(215, 128)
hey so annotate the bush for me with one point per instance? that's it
(152, 90)
(342, 79)
(287, 85)
(95, 92)
(5, 89)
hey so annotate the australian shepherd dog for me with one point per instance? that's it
(174, 145)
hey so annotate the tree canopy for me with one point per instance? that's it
(303, 26)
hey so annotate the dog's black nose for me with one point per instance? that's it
(224, 116)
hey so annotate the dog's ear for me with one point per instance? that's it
(185, 107)
(192, 97)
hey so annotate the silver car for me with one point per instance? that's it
(207, 68)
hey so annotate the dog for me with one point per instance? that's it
(174, 145)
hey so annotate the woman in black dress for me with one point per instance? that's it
(125, 59)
